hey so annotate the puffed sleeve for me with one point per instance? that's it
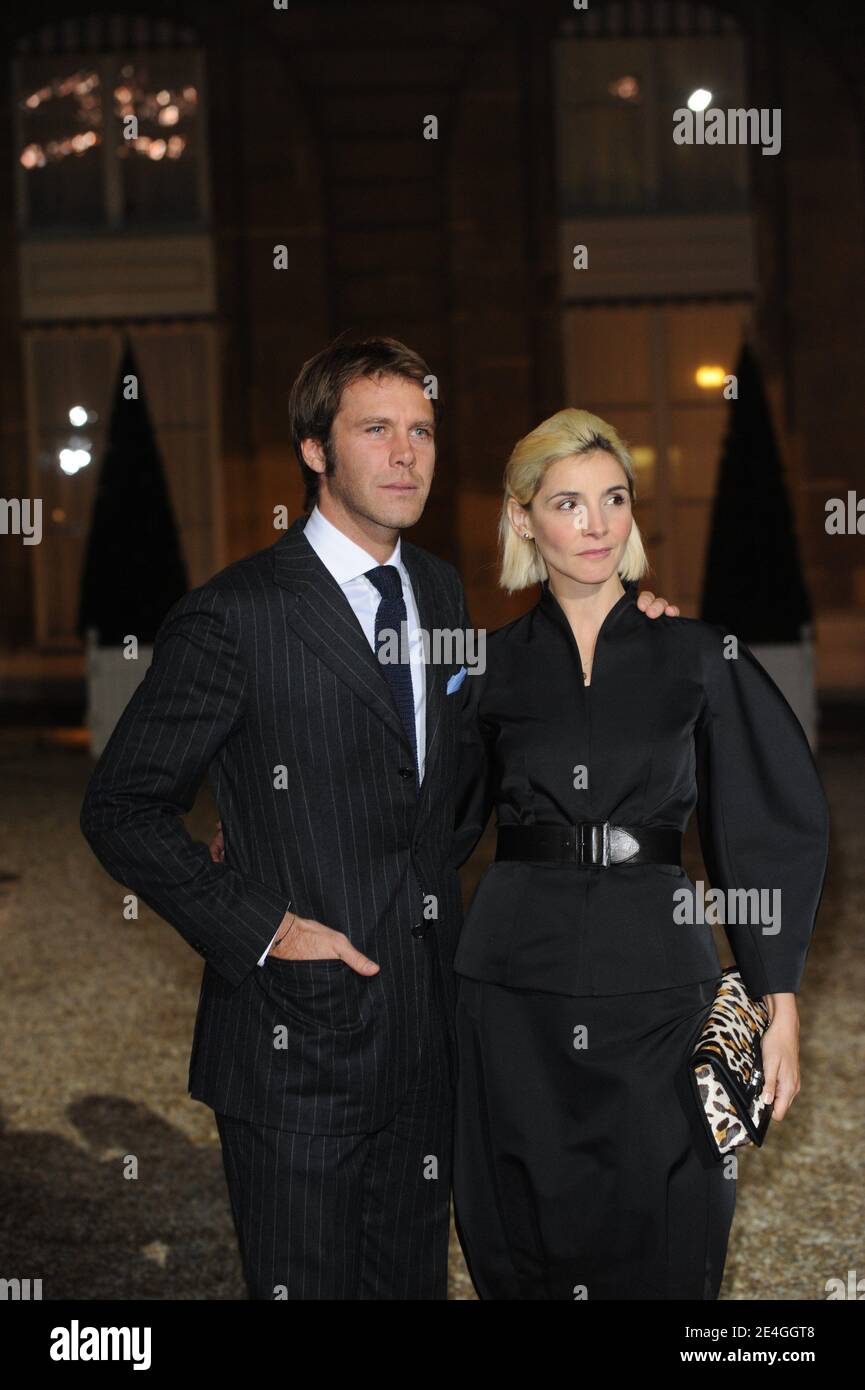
(762, 814)
(473, 800)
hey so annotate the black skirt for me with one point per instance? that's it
(580, 1166)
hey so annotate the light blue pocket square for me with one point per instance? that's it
(456, 680)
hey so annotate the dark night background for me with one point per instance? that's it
(304, 127)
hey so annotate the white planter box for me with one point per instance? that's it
(112, 679)
(791, 666)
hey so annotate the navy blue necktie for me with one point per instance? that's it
(390, 615)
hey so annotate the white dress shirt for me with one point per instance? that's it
(347, 562)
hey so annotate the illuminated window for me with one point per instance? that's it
(616, 92)
(110, 140)
(72, 375)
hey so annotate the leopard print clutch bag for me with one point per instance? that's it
(726, 1067)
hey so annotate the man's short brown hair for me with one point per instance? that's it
(318, 388)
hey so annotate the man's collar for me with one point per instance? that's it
(343, 557)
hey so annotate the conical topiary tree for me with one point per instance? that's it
(133, 566)
(753, 584)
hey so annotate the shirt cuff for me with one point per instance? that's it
(270, 943)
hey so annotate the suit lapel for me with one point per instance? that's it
(323, 618)
(430, 613)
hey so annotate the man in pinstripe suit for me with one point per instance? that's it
(328, 924)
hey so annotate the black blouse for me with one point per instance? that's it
(668, 722)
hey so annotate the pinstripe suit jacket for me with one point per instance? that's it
(262, 677)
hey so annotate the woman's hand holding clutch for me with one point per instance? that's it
(780, 1046)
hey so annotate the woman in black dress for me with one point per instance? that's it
(586, 964)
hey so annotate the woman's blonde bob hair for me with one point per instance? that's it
(567, 433)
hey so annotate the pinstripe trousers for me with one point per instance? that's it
(357, 1216)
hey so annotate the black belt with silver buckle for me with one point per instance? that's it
(591, 842)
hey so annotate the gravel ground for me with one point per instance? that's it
(97, 1025)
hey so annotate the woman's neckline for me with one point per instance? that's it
(549, 600)
(549, 604)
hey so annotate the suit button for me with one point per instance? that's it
(406, 772)
(418, 930)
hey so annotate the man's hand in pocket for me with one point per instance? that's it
(302, 938)
(217, 845)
